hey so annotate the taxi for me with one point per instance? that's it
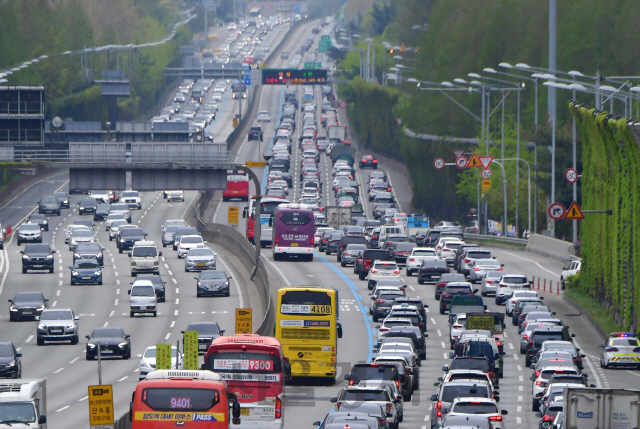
(621, 349)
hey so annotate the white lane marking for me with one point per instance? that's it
(54, 303)
(62, 409)
(58, 370)
(519, 408)
(166, 266)
(553, 273)
(515, 357)
(591, 367)
(167, 336)
(60, 274)
(105, 324)
(123, 378)
(60, 283)
(439, 333)
(518, 420)
(519, 368)
(445, 356)
(115, 302)
(117, 291)
(74, 359)
(118, 282)
(520, 378)
(58, 292)
(412, 288)
(278, 270)
(29, 338)
(178, 291)
(176, 282)
(173, 323)
(170, 273)
(631, 372)
(112, 312)
(433, 321)
(510, 346)
(114, 266)
(521, 388)
(520, 398)
(116, 274)
(442, 344)
(83, 399)
(175, 313)
(177, 301)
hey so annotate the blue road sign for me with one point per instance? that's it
(247, 79)
(296, 8)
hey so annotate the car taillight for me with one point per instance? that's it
(324, 240)
(373, 270)
(531, 344)
(495, 418)
(446, 295)
(611, 349)
(364, 161)
(537, 374)
(548, 418)
(541, 383)
(380, 301)
(397, 271)
(476, 269)
(467, 260)
(409, 369)
(350, 382)
(277, 240)
(397, 383)
(442, 284)
(389, 408)
(278, 408)
(499, 269)
(457, 326)
(439, 408)
(526, 337)
(490, 373)
(342, 246)
(412, 259)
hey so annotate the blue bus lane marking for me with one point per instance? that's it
(354, 290)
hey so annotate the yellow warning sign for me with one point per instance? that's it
(486, 185)
(574, 212)
(243, 321)
(232, 215)
(100, 405)
(255, 164)
(474, 162)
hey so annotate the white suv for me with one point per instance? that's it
(143, 298)
(132, 198)
(418, 254)
(144, 258)
(570, 270)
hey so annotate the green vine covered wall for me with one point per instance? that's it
(610, 180)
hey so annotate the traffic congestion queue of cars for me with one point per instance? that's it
(112, 210)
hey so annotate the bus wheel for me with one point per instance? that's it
(310, 258)
(276, 256)
(331, 381)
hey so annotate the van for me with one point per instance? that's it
(144, 258)
(142, 298)
(386, 230)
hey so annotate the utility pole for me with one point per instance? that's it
(553, 24)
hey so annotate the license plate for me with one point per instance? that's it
(202, 346)
(294, 244)
(27, 312)
(56, 331)
(244, 411)
(200, 265)
(86, 277)
(106, 351)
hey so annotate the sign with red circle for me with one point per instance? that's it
(438, 163)
(462, 161)
(556, 211)
(571, 175)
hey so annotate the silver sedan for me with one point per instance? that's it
(200, 258)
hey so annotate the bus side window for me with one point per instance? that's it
(244, 213)
(339, 329)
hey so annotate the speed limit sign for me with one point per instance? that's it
(438, 163)
(571, 175)
(487, 173)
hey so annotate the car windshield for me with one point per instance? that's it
(49, 200)
(104, 207)
(143, 291)
(29, 227)
(151, 352)
(201, 252)
(365, 396)
(191, 240)
(56, 315)
(130, 194)
(119, 207)
(27, 297)
(115, 216)
(37, 217)
(475, 408)
(204, 328)
(89, 202)
(212, 274)
(144, 251)
(117, 223)
(107, 333)
(86, 264)
(516, 280)
(6, 350)
(389, 267)
(625, 342)
(88, 247)
(449, 393)
(131, 232)
(59, 195)
(82, 233)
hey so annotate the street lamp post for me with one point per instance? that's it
(534, 146)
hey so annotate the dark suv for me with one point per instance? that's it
(431, 268)
(333, 242)
(87, 206)
(255, 133)
(37, 257)
(447, 278)
(128, 237)
(454, 289)
(382, 303)
(350, 239)
(540, 335)
(380, 371)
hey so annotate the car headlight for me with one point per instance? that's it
(10, 364)
(121, 240)
(40, 308)
(122, 345)
(25, 257)
(42, 327)
(91, 346)
(12, 308)
(81, 208)
(199, 284)
(97, 273)
(71, 326)
(49, 256)
(74, 273)
(76, 256)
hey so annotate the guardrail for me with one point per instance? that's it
(478, 237)
(237, 244)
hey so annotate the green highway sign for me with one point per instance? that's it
(312, 65)
(326, 38)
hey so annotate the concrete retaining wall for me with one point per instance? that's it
(551, 247)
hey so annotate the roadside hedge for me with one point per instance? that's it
(610, 180)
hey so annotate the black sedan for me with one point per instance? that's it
(27, 305)
(63, 199)
(10, 364)
(86, 271)
(432, 268)
(158, 284)
(37, 256)
(89, 251)
(369, 161)
(207, 332)
(128, 238)
(113, 343)
(212, 283)
(102, 211)
(41, 220)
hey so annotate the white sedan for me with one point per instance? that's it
(264, 116)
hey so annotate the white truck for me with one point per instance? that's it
(590, 408)
(23, 402)
(337, 132)
(336, 216)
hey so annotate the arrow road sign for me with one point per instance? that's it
(461, 162)
(438, 163)
(458, 153)
(487, 173)
(574, 212)
(571, 175)
(474, 162)
(485, 161)
(556, 211)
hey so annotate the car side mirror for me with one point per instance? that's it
(10, 300)
(564, 268)
(42, 419)
(434, 398)
(316, 423)
(497, 398)
(127, 336)
(87, 337)
(377, 326)
(129, 291)
(334, 400)
(129, 254)
(452, 355)
(22, 251)
(502, 265)
(140, 356)
(573, 335)
(437, 383)
(476, 291)
(445, 368)
(440, 378)
(533, 377)
(159, 253)
(76, 318)
(583, 356)
(592, 385)
(222, 331)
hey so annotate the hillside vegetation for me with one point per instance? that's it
(31, 28)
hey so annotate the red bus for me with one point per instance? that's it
(178, 398)
(254, 368)
(237, 186)
(268, 207)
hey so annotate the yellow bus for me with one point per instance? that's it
(308, 329)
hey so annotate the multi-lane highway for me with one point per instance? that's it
(69, 374)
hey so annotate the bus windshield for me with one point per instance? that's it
(305, 302)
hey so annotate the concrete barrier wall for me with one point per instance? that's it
(551, 247)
